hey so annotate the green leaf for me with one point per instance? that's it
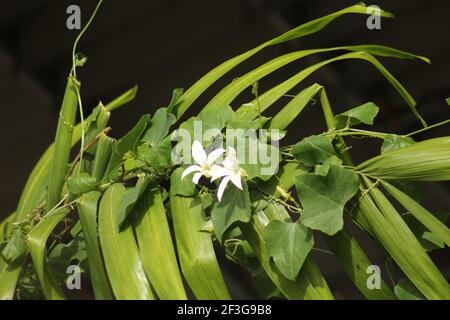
(181, 187)
(63, 137)
(87, 209)
(448, 101)
(435, 225)
(309, 285)
(37, 240)
(290, 112)
(102, 156)
(159, 128)
(28, 284)
(234, 207)
(427, 160)
(429, 240)
(313, 150)
(256, 155)
(247, 124)
(156, 247)
(123, 264)
(130, 198)
(355, 263)
(33, 192)
(127, 143)
(16, 249)
(322, 169)
(81, 183)
(264, 285)
(324, 197)
(303, 30)
(159, 156)
(229, 93)
(212, 121)
(405, 290)
(289, 244)
(63, 255)
(390, 229)
(394, 142)
(365, 113)
(195, 249)
(177, 93)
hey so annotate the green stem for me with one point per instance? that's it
(63, 139)
(428, 128)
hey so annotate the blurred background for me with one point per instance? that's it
(161, 45)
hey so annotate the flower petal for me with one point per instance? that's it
(231, 153)
(197, 177)
(236, 180)
(198, 153)
(219, 171)
(212, 157)
(222, 186)
(189, 170)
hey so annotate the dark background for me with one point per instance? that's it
(161, 45)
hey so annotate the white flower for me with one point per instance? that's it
(230, 171)
(205, 163)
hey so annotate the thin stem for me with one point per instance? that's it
(74, 49)
(428, 128)
(323, 251)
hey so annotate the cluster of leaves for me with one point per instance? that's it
(111, 209)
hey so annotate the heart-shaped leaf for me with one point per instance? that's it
(288, 244)
(324, 197)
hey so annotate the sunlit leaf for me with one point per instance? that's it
(365, 113)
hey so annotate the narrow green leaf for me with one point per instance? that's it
(129, 200)
(427, 160)
(181, 187)
(37, 240)
(303, 30)
(156, 248)
(269, 97)
(355, 263)
(429, 240)
(195, 249)
(393, 233)
(61, 154)
(35, 187)
(102, 156)
(405, 290)
(420, 213)
(290, 112)
(123, 265)
(87, 209)
(32, 193)
(237, 86)
(123, 99)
